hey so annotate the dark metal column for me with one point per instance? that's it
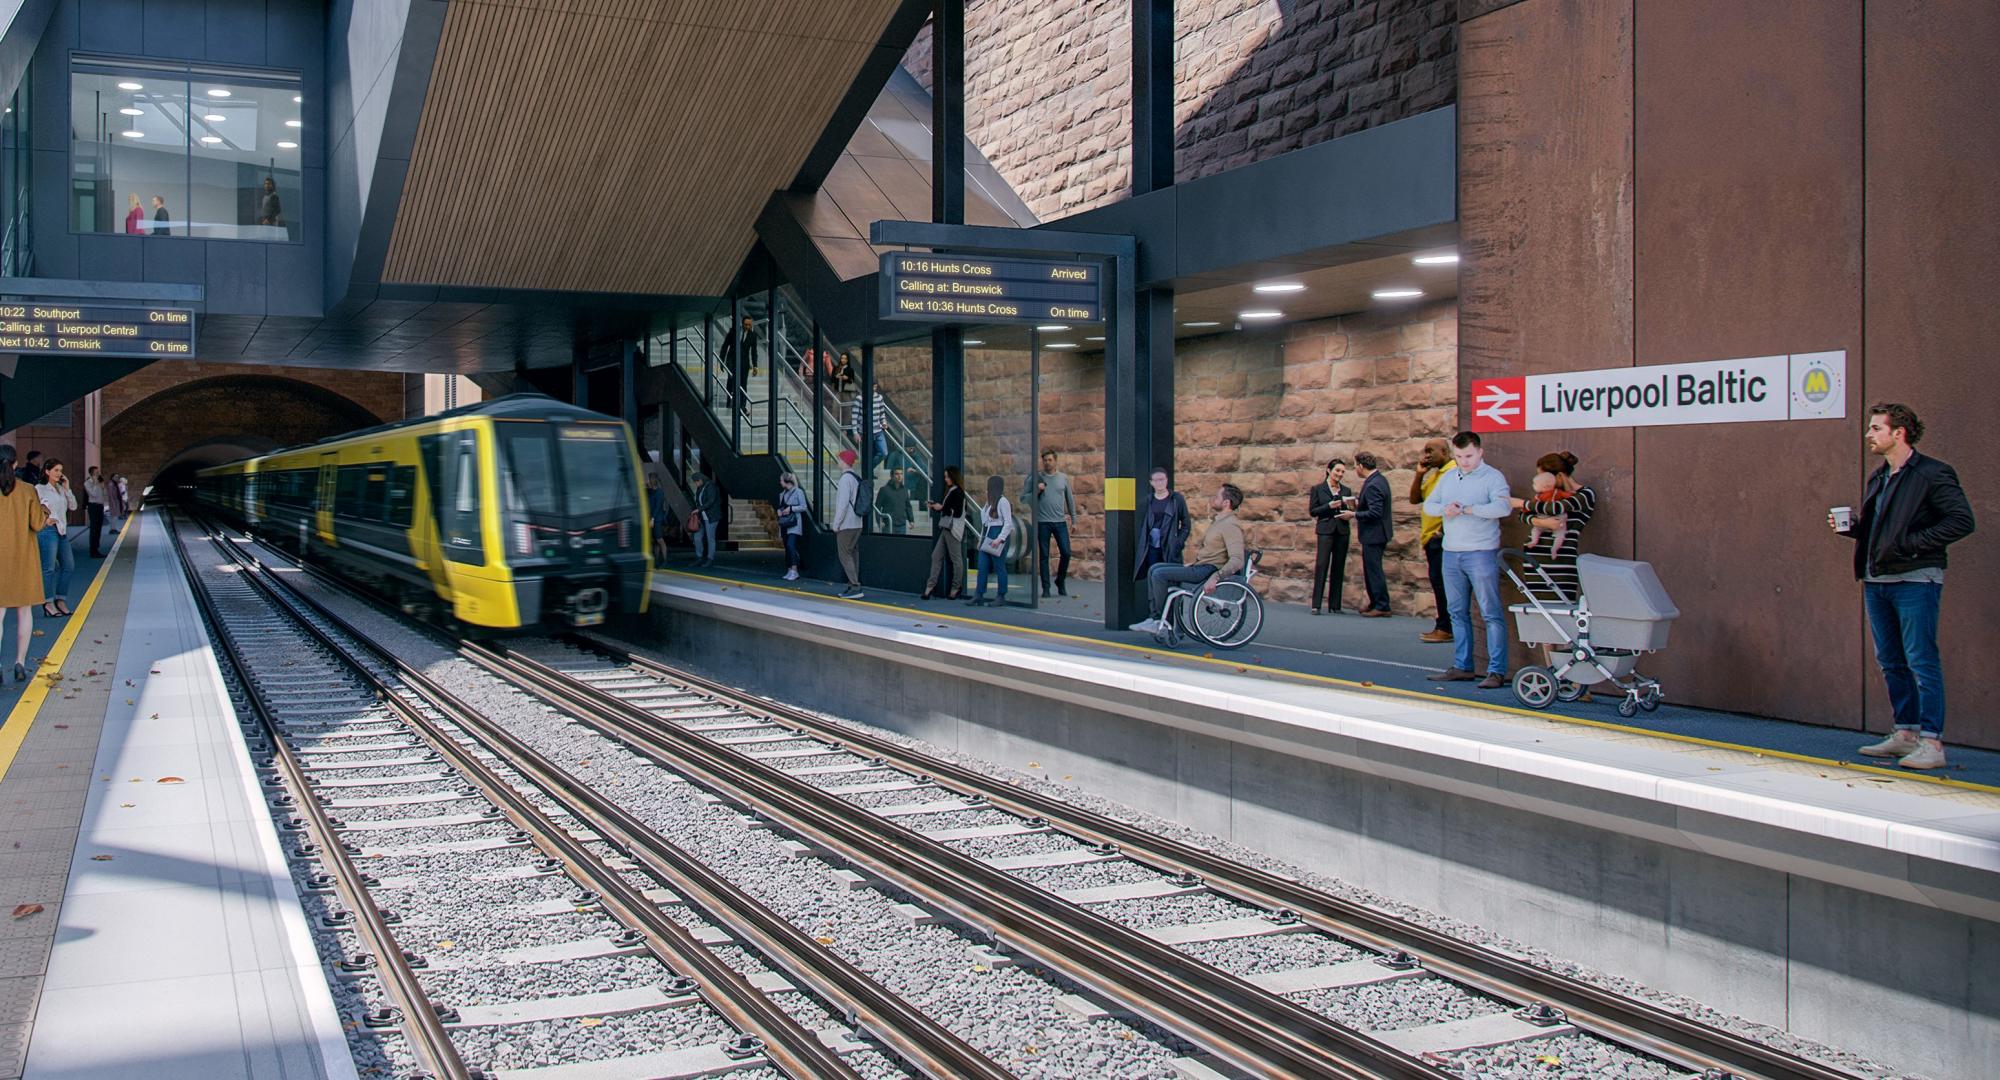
(1152, 95)
(947, 208)
(628, 386)
(771, 370)
(579, 379)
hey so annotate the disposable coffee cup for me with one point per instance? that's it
(1843, 517)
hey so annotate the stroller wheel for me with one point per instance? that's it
(1628, 706)
(1535, 686)
(1567, 691)
(1649, 699)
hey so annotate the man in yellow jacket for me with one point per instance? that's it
(1434, 464)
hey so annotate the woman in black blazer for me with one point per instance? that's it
(1329, 497)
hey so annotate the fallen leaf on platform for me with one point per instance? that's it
(127, 805)
(128, 701)
(1241, 670)
(447, 944)
(824, 939)
(90, 674)
(155, 716)
(1549, 1059)
(100, 858)
(40, 633)
(1208, 656)
(1034, 764)
(171, 780)
(136, 780)
(22, 911)
(129, 682)
(62, 766)
(65, 727)
(155, 671)
(590, 1021)
(1365, 682)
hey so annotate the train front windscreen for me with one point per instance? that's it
(570, 494)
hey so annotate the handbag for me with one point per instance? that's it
(993, 545)
(694, 522)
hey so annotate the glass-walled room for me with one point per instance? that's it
(185, 150)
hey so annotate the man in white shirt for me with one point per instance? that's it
(847, 522)
(95, 497)
(1472, 499)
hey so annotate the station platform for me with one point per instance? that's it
(148, 923)
(1737, 861)
(87, 572)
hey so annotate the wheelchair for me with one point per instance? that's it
(1227, 618)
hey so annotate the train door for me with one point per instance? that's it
(323, 506)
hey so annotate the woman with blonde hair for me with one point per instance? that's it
(21, 521)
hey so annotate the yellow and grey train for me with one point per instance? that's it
(510, 513)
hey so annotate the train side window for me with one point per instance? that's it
(347, 491)
(453, 463)
(375, 494)
(402, 495)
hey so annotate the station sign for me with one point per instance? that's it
(96, 330)
(1795, 386)
(949, 288)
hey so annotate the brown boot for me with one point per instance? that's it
(1435, 637)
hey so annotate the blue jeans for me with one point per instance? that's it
(58, 562)
(882, 451)
(1904, 617)
(1469, 576)
(704, 540)
(792, 550)
(996, 563)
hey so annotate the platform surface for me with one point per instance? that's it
(170, 941)
(1866, 827)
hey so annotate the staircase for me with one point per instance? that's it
(749, 530)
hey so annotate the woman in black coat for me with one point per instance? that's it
(1163, 525)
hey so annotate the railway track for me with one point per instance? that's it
(1252, 966)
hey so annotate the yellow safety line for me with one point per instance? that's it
(1369, 687)
(22, 717)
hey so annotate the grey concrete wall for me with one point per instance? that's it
(242, 277)
(1907, 985)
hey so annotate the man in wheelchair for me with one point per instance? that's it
(1221, 555)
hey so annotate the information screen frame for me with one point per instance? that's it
(123, 331)
(942, 287)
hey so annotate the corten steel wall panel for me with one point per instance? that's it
(1748, 159)
(1933, 230)
(617, 145)
(1545, 224)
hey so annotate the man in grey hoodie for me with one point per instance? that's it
(1055, 512)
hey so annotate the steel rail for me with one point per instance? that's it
(1631, 1022)
(918, 1039)
(1250, 1026)
(429, 1041)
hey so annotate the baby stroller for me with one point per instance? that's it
(1621, 612)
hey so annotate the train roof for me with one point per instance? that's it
(522, 406)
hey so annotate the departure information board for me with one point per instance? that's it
(974, 289)
(96, 330)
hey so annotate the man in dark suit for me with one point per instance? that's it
(1328, 499)
(1372, 520)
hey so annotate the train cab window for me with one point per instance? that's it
(452, 460)
(596, 469)
(375, 494)
(402, 495)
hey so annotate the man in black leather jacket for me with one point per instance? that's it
(1912, 509)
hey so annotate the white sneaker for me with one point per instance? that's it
(791, 575)
(1901, 742)
(1929, 754)
(1146, 627)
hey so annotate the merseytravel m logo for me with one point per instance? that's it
(1795, 386)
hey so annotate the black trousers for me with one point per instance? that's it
(1371, 573)
(1434, 555)
(1330, 569)
(96, 526)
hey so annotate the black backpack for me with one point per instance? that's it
(864, 496)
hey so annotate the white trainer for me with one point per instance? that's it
(1900, 743)
(1929, 754)
(1146, 627)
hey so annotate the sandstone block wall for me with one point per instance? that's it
(1048, 86)
(1263, 410)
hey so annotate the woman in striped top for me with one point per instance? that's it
(1559, 518)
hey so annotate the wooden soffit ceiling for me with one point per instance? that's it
(617, 145)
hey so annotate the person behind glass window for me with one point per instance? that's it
(269, 210)
(135, 216)
(160, 218)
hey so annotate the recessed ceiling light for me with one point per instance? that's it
(218, 92)
(1445, 259)
(1099, 337)
(297, 100)
(129, 111)
(133, 134)
(288, 145)
(1396, 294)
(131, 86)
(215, 118)
(211, 139)
(1199, 325)
(972, 341)
(1060, 345)
(1281, 287)
(1051, 328)
(294, 123)
(1261, 313)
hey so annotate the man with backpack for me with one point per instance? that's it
(851, 503)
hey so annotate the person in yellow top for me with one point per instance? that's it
(1434, 464)
(21, 518)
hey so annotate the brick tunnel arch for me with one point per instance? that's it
(169, 435)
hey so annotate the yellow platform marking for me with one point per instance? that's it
(1119, 493)
(1367, 688)
(15, 730)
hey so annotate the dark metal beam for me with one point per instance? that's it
(1152, 95)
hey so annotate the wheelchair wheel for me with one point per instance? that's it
(1535, 686)
(1229, 617)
